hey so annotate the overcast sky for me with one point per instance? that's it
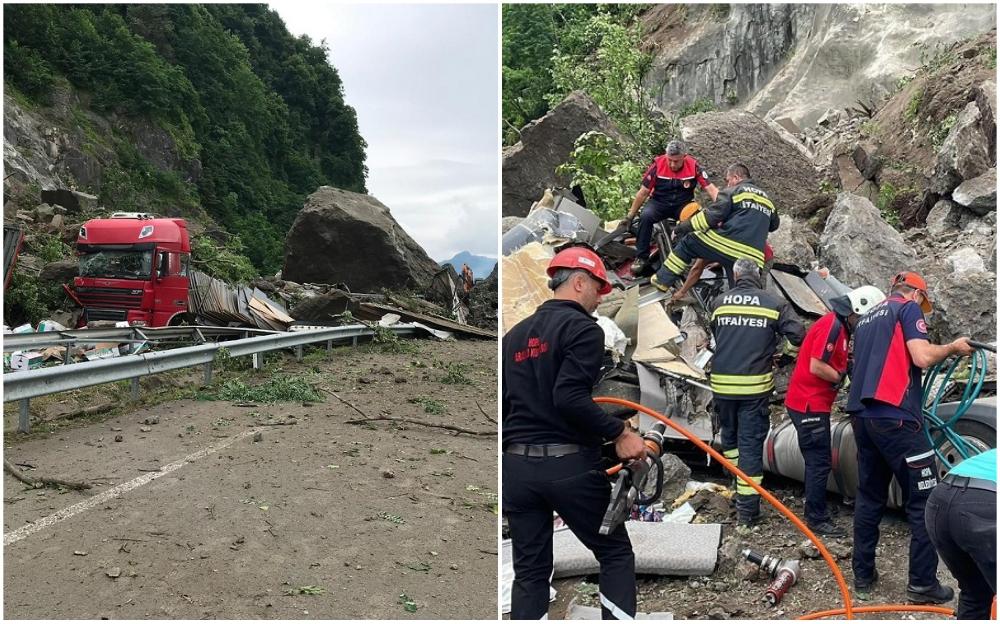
(423, 80)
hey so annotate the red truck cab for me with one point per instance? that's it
(134, 268)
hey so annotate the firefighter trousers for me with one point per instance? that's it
(814, 442)
(576, 487)
(744, 424)
(962, 525)
(888, 448)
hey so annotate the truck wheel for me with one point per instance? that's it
(980, 436)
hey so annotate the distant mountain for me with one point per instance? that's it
(481, 265)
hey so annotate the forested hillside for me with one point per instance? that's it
(256, 116)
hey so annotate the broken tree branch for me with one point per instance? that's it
(39, 482)
(344, 401)
(488, 417)
(423, 424)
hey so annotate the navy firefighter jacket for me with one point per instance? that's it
(551, 362)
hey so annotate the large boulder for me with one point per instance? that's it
(964, 305)
(859, 247)
(718, 140)
(978, 194)
(986, 100)
(350, 238)
(943, 217)
(964, 154)
(794, 243)
(60, 271)
(529, 166)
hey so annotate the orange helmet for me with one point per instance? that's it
(689, 210)
(913, 280)
(581, 258)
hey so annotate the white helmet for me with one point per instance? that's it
(865, 298)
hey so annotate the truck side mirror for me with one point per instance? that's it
(162, 265)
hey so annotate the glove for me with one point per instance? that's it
(683, 228)
(629, 223)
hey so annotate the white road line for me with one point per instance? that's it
(118, 490)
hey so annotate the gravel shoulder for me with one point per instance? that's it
(365, 512)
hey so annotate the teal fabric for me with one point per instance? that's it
(982, 466)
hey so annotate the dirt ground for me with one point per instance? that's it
(316, 519)
(736, 591)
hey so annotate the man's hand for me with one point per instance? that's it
(961, 346)
(629, 446)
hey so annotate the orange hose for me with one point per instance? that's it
(848, 609)
(880, 609)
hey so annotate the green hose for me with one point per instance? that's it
(937, 430)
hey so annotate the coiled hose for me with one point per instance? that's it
(937, 430)
(848, 609)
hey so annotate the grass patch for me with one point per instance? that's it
(940, 132)
(912, 110)
(386, 341)
(454, 373)
(704, 105)
(277, 390)
(885, 201)
(431, 406)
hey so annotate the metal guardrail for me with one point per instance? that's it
(195, 333)
(25, 385)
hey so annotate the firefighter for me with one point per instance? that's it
(819, 371)
(746, 323)
(961, 522)
(552, 436)
(668, 185)
(735, 225)
(699, 265)
(890, 349)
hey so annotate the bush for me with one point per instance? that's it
(222, 261)
(606, 174)
(28, 300)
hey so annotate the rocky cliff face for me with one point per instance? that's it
(724, 54)
(793, 60)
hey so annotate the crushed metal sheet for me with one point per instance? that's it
(590, 222)
(525, 284)
(672, 395)
(825, 288)
(370, 311)
(652, 296)
(799, 292)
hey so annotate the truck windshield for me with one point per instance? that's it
(120, 264)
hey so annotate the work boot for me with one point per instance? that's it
(933, 594)
(863, 586)
(828, 529)
(639, 266)
(659, 286)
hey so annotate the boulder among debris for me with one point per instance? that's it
(350, 238)
(60, 271)
(859, 247)
(794, 243)
(73, 201)
(529, 166)
(718, 140)
(978, 194)
(964, 154)
(484, 301)
(965, 305)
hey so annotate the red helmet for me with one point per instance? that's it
(581, 258)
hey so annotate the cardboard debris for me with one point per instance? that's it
(525, 284)
(25, 360)
(655, 330)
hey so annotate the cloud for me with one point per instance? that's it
(423, 80)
